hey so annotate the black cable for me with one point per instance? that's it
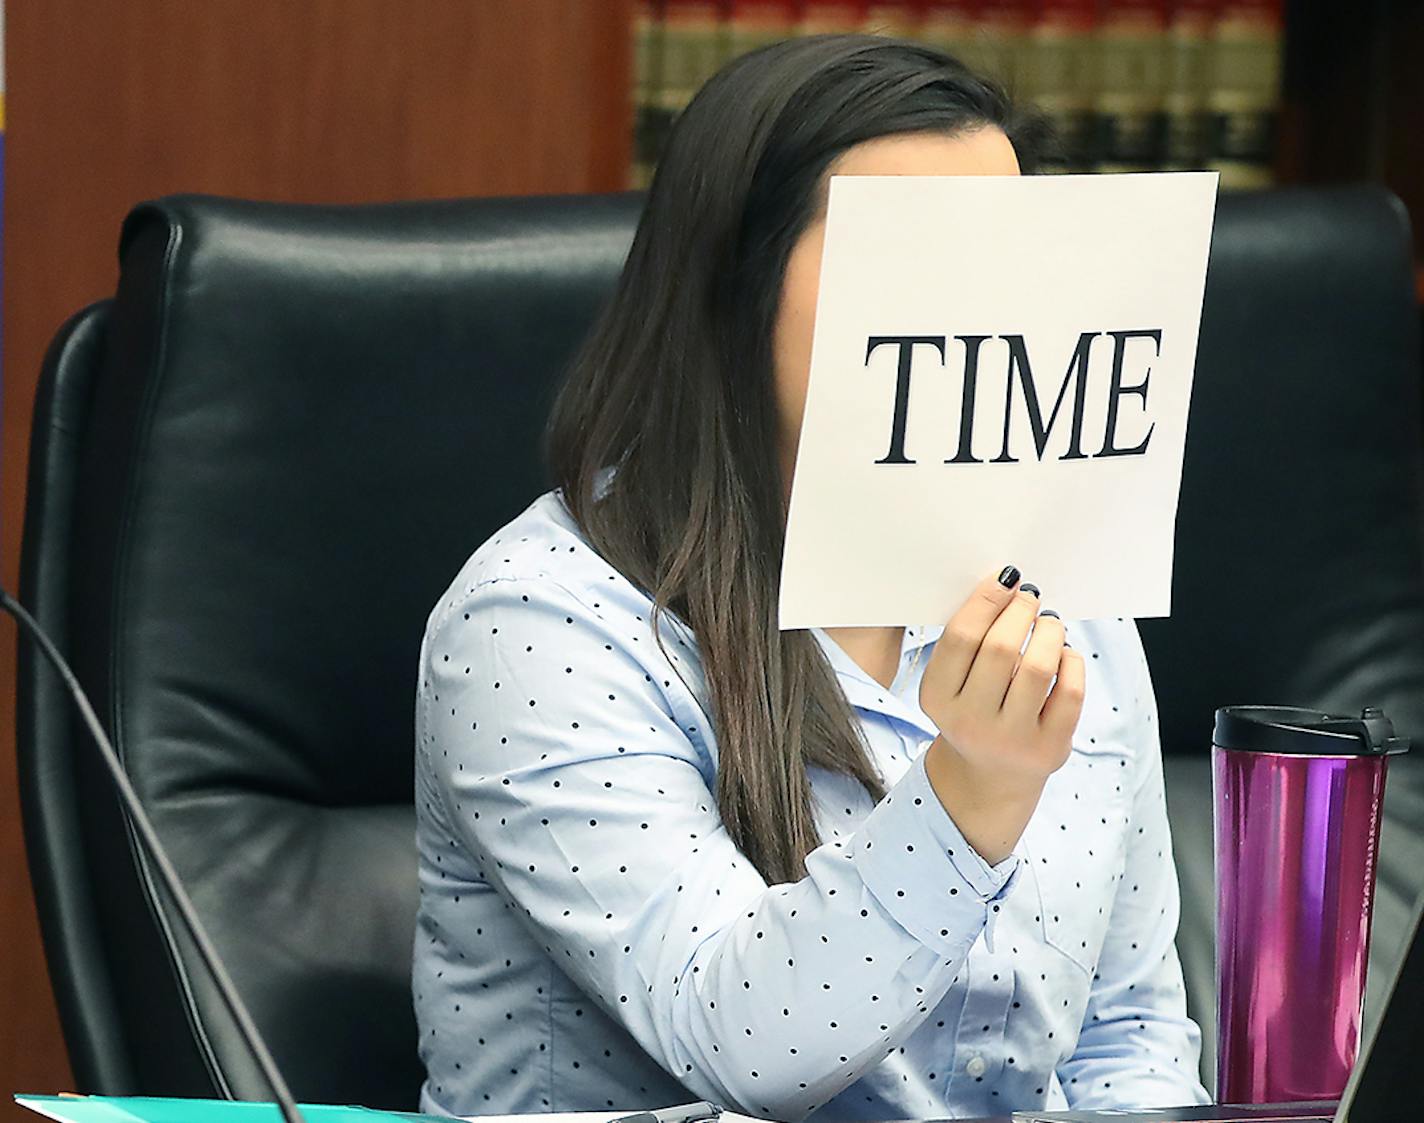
(167, 874)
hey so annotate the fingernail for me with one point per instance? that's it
(1050, 612)
(1027, 588)
(1008, 576)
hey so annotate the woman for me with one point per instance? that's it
(668, 852)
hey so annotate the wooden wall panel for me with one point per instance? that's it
(114, 101)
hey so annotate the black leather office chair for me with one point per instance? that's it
(255, 469)
(1299, 556)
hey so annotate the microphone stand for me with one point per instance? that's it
(166, 873)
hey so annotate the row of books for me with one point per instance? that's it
(1131, 85)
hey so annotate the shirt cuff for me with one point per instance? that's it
(914, 860)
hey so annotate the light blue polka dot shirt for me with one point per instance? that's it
(589, 937)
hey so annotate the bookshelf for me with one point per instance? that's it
(1131, 85)
(1267, 92)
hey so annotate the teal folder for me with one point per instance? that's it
(152, 1109)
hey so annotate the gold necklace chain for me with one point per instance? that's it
(915, 659)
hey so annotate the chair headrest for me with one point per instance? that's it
(307, 419)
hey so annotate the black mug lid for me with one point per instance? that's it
(1287, 729)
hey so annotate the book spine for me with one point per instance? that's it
(694, 44)
(1132, 42)
(901, 20)
(820, 17)
(1188, 83)
(1001, 40)
(648, 124)
(949, 26)
(1058, 76)
(1245, 92)
(757, 23)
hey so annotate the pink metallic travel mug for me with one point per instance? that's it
(1298, 798)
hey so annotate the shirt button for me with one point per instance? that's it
(976, 1066)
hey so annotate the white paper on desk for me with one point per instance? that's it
(588, 1117)
(882, 531)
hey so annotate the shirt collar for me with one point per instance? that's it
(920, 635)
(864, 693)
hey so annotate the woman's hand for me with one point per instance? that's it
(1003, 731)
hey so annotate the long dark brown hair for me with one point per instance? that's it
(673, 389)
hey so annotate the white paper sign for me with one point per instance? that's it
(1000, 374)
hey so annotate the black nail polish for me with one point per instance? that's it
(1027, 588)
(1050, 612)
(1008, 576)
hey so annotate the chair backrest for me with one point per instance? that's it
(1299, 577)
(1299, 574)
(254, 471)
(256, 467)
